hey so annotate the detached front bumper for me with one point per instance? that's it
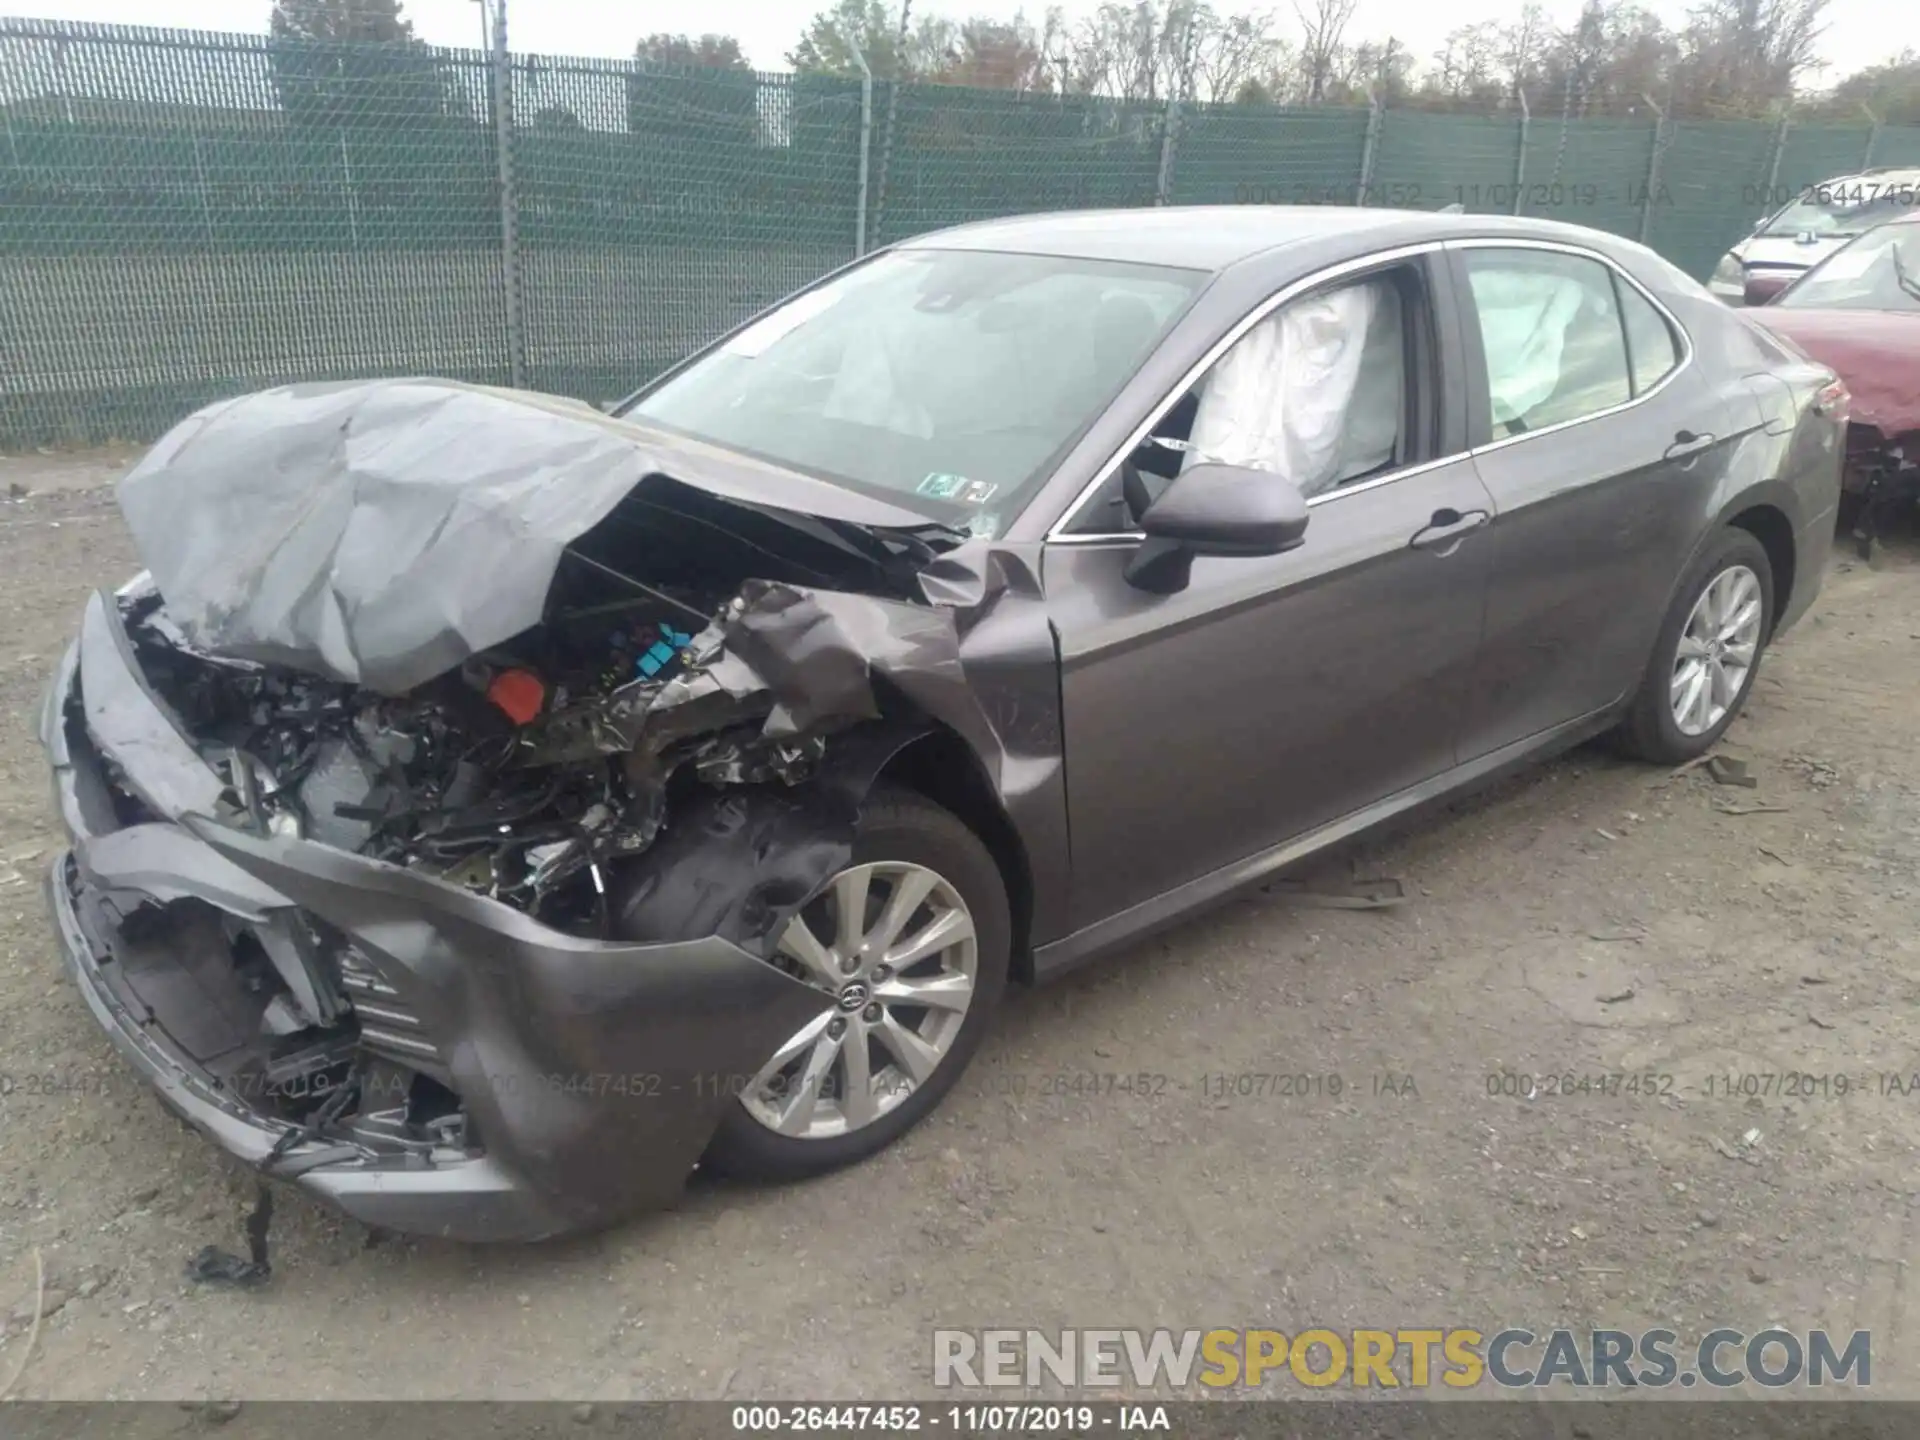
(590, 1075)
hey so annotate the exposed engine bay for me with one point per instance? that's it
(456, 778)
(522, 774)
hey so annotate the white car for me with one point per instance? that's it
(1810, 227)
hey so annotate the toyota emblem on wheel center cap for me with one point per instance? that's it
(853, 996)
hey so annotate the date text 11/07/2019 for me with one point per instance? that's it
(1041, 1419)
(1719, 1085)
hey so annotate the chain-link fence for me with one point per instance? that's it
(185, 216)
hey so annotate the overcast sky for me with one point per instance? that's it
(1860, 32)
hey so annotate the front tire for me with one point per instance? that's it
(909, 946)
(1707, 654)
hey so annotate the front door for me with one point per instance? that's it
(1273, 695)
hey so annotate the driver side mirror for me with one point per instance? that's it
(1215, 509)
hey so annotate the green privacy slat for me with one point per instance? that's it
(185, 215)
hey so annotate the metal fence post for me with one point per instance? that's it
(1169, 125)
(200, 175)
(866, 142)
(1653, 167)
(502, 74)
(866, 150)
(353, 201)
(1520, 152)
(1873, 138)
(1779, 149)
(1367, 149)
(879, 220)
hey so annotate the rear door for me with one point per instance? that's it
(1601, 445)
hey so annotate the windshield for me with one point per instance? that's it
(957, 375)
(1879, 271)
(1845, 208)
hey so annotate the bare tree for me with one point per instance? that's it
(1325, 26)
(1467, 70)
(1610, 59)
(1229, 53)
(1743, 56)
(1523, 47)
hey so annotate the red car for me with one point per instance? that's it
(1858, 313)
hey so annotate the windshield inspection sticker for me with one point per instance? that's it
(942, 487)
(957, 488)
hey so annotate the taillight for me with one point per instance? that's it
(1834, 402)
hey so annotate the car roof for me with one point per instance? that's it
(1213, 237)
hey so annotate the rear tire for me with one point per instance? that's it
(903, 838)
(1736, 563)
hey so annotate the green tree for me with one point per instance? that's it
(355, 62)
(989, 55)
(707, 52)
(827, 44)
(680, 85)
(1890, 90)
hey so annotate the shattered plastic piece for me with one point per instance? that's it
(1726, 770)
(213, 1266)
(520, 694)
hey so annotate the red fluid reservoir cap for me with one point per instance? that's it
(520, 693)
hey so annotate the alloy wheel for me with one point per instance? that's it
(1717, 650)
(892, 949)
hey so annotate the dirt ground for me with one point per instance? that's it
(1591, 918)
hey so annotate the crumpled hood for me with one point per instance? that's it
(379, 532)
(1876, 352)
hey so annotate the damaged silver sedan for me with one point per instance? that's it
(484, 810)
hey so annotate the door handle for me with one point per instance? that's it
(1686, 442)
(1447, 526)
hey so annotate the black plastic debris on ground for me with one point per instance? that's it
(211, 1265)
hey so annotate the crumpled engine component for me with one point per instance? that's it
(445, 780)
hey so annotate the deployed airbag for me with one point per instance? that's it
(1289, 397)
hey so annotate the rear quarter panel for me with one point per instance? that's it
(1791, 463)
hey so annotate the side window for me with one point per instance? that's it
(1551, 330)
(1315, 393)
(1318, 392)
(1652, 351)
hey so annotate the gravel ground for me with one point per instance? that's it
(1591, 917)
